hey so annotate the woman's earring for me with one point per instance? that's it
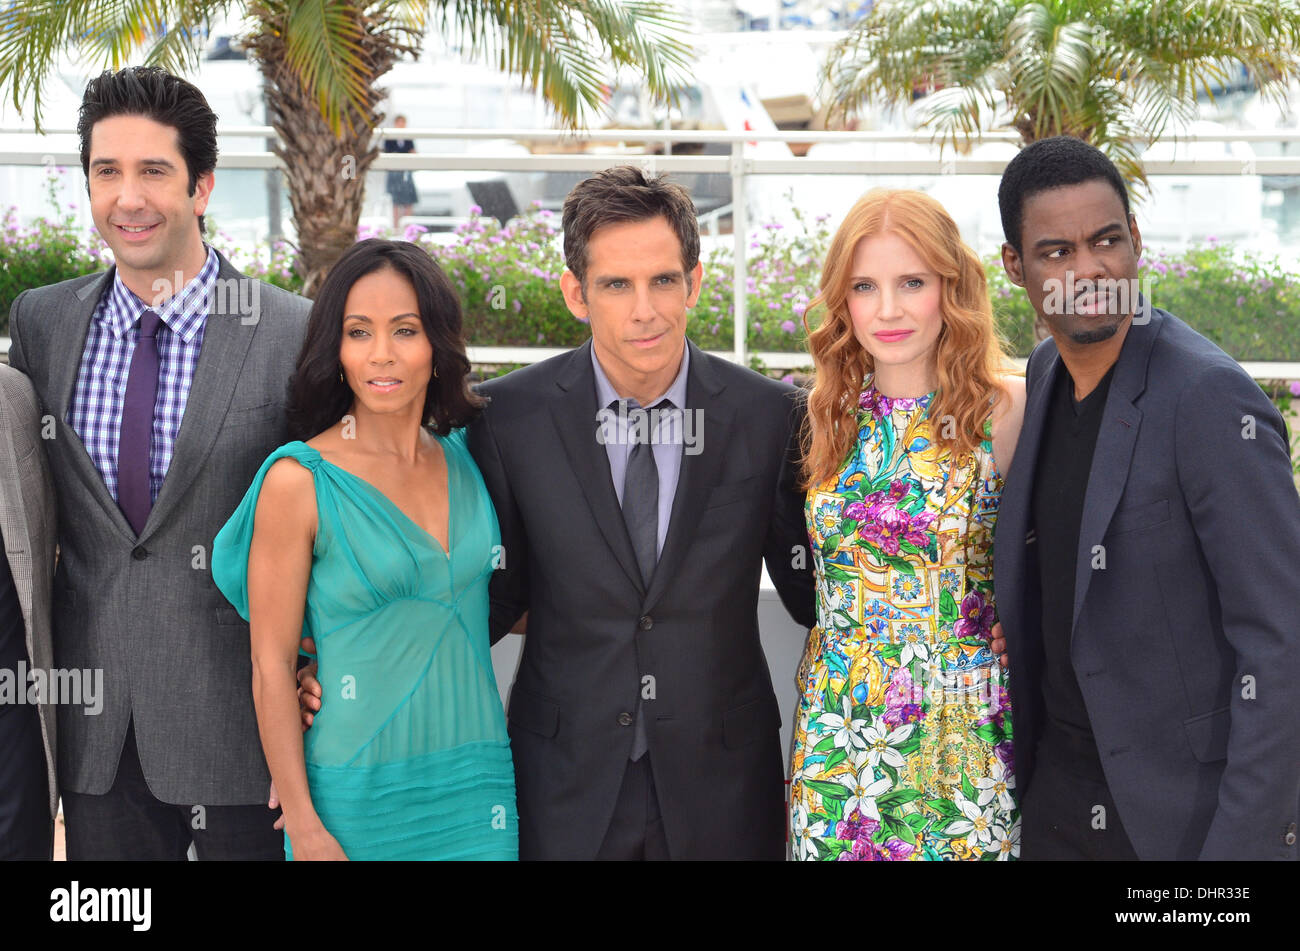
(435, 369)
(341, 380)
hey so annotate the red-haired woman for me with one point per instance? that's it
(902, 743)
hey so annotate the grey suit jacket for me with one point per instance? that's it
(1185, 641)
(27, 522)
(174, 653)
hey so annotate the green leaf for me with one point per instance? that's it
(833, 760)
(944, 807)
(990, 734)
(917, 822)
(910, 745)
(825, 745)
(947, 606)
(898, 829)
(828, 790)
(967, 789)
(898, 797)
(901, 564)
(831, 543)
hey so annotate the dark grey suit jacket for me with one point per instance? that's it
(175, 654)
(595, 630)
(1185, 644)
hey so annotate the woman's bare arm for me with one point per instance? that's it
(279, 567)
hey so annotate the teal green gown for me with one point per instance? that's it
(408, 757)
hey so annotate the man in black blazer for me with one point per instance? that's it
(1145, 558)
(642, 718)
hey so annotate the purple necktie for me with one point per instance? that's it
(136, 435)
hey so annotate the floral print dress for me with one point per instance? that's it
(902, 741)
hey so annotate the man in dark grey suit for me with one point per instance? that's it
(29, 794)
(1147, 545)
(166, 379)
(642, 717)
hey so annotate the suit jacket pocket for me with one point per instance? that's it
(730, 492)
(1143, 515)
(246, 415)
(748, 722)
(1207, 734)
(533, 712)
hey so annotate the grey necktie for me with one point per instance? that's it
(641, 513)
(641, 493)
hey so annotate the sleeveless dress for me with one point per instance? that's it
(902, 742)
(408, 757)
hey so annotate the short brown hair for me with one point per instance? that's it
(624, 193)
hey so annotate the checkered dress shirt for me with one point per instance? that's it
(95, 413)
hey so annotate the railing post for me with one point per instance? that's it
(740, 264)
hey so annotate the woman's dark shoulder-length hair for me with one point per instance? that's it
(318, 398)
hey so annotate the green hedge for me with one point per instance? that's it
(509, 283)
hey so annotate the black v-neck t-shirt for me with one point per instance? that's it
(1060, 486)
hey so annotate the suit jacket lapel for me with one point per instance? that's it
(574, 414)
(699, 472)
(63, 380)
(1114, 450)
(226, 339)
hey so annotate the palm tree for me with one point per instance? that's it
(1101, 71)
(321, 61)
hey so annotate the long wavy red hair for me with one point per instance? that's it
(969, 353)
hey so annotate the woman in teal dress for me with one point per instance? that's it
(376, 538)
(902, 741)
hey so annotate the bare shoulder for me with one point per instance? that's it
(1008, 415)
(1010, 404)
(287, 501)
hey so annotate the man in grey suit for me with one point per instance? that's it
(166, 379)
(29, 795)
(1146, 552)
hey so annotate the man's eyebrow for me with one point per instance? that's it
(148, 161)
(611, 278)
(1099, 233)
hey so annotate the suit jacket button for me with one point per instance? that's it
(139, 553)
(645, 623)
(625, 719)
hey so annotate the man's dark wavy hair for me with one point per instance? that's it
(625, 193)
(1051, 163)
(158, 95)
(318, 398)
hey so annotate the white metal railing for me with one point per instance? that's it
(738, 165)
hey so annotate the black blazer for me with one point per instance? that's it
(594, 631)
(1185, 643)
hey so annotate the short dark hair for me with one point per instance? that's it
(156, 94)
(625, 193)
(318, 398)
(1051, 163)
